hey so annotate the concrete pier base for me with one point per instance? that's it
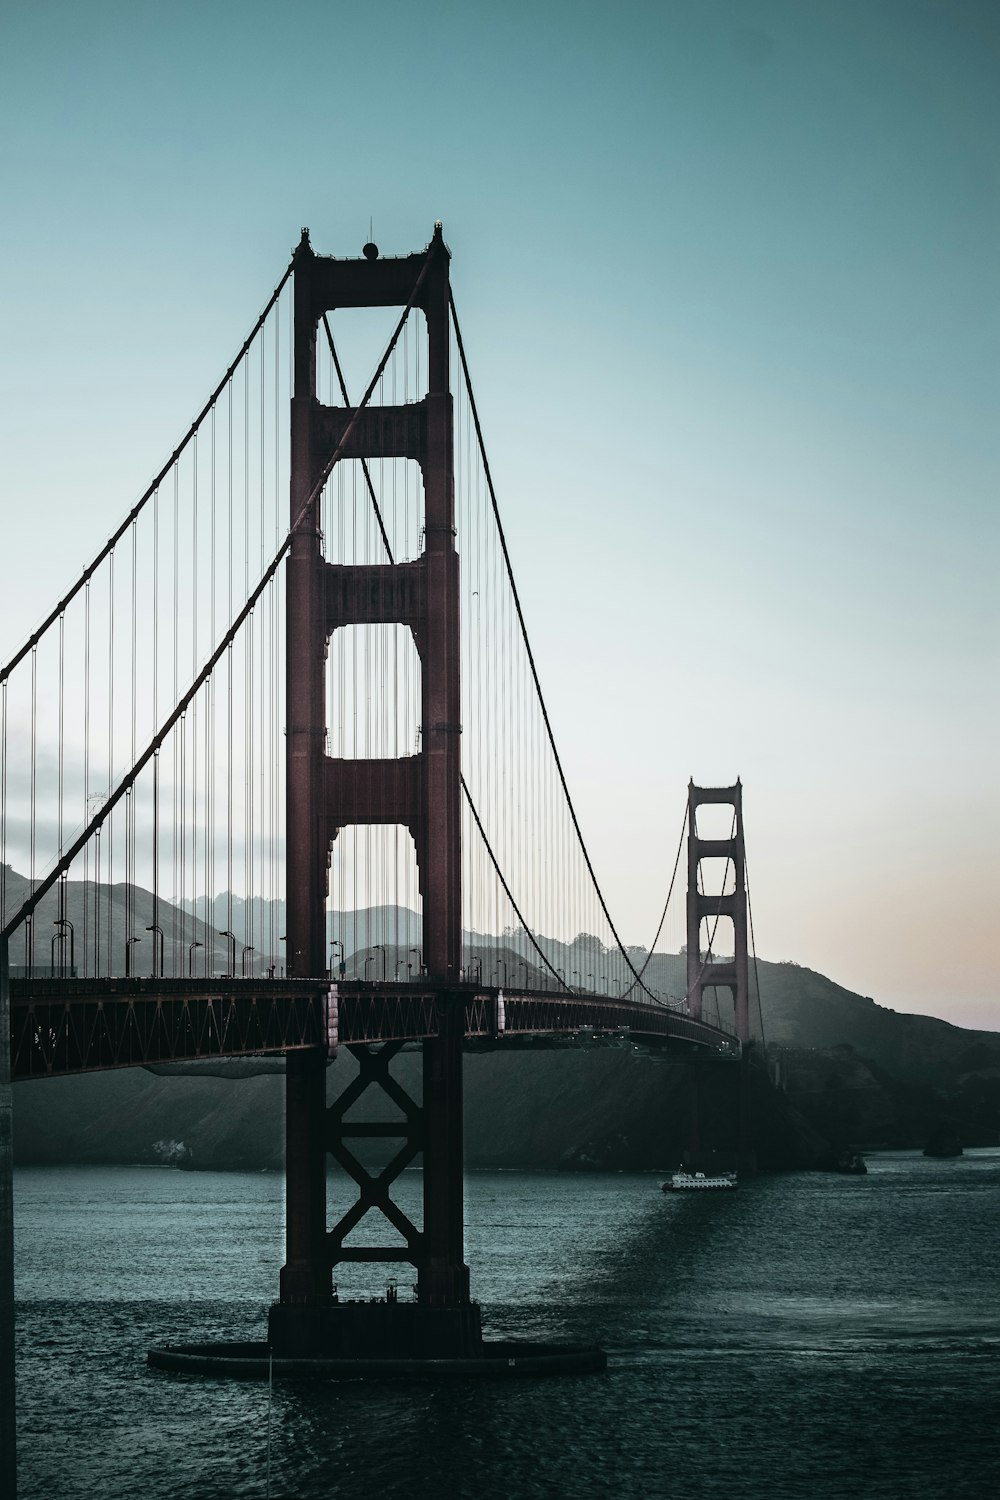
(380, 1339)
(375, 1328)
(495, 1361)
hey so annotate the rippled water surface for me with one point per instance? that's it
(807, 1336)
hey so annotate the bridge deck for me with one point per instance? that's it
(61, 1026)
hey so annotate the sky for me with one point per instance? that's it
(727, 274)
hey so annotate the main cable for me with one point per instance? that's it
(140, 504)
(95, 824)
(670, 892)
(527, 645)
(753, 949)
(468, 795)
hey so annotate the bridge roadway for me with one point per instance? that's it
(61, 1026)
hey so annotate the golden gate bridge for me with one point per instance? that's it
(329, 706)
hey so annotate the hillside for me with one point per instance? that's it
(576, 1107)
(848, 1071)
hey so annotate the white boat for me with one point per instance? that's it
(683, 1182)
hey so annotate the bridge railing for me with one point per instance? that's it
(61, 1026)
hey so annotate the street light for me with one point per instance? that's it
(60, 937)
(501, 962)
(343, 962)
(420, 958)
(231, 956)
(128, 955)
(380, 948)
(562, 976)
(246, 950)
(192, 947)
(369, 960)
(155, 929)
(576, 976)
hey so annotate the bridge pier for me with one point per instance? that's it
(420, 792)
(443, 1276)
(309, 1328)
(305, 1276)
(310, 1320)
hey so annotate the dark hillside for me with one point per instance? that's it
(848, 1072)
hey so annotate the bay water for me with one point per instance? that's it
(809, 1335)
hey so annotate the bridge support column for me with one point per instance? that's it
(443, 1276)
(746, 1150)
(305, 1276)
(311, 1331)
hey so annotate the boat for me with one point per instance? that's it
(682, 1181)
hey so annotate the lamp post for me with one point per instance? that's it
(231, 956)
(60, 937)
(576, 976)
(591, 978)
(420, 958)
(501, 963)
(562, 976)
(157, 930)
(380, 948)
(128, 955)
(333, 953)
(248, 949)
(191, 948)
(370, 959)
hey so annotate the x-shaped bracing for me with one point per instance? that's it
(374, 1190)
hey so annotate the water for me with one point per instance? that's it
(816, 1336)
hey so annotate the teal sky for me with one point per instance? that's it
(728, 277)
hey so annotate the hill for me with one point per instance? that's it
(847, 1072)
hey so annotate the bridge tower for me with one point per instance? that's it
(732, 974)
(420, 792)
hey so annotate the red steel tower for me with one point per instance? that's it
(705, 973)
(421, 792)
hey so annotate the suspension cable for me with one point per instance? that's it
(508, 893)
(364, 462)
(531, 658)
(753, 949)
(465, 788)
(136, 510)
(670, 892)
(26, 908)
